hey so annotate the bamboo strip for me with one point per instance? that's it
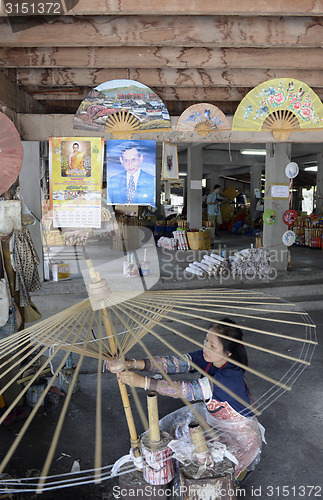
(219, 384)
(13, 404)
(59, 426)
(215, 303)
(243, 342)
(242, 315)
(31, 415)
(26, 366)
(230, 360)
(98, 433)
(244, 327)
(169, 380)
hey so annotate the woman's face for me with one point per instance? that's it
(213, 348)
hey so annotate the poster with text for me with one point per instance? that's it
(131, 172)
(75, 166)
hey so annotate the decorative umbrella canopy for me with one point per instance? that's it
(122, 107)
(282, 105)
(203, 118)
(11, 153)
(110, 324)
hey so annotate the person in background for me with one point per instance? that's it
(213, 202)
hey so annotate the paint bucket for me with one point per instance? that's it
(65, 379)
(34, 392)
(158, 460)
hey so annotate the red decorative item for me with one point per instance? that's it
(11, 153)
(290, 217)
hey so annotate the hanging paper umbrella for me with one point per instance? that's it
(282, 105)
(202, 118)
(108, 325)
(11, 153)
(122, 107)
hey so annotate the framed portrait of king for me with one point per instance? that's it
(131, 172)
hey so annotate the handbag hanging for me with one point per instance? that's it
(5, 299)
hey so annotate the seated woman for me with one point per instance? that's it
(238, 428)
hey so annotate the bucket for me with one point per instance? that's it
(158, 461)
(199, 240)
(65, 379)
(34, 392)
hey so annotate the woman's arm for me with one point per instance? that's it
(196, 390)
(161, 364)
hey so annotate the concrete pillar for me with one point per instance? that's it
(278, 156)
(212, 179)
(255, 183)
(158, 186)
(30, 190)
(194, 186)
(167, 187)
(319, 184)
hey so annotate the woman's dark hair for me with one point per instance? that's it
(238, 351)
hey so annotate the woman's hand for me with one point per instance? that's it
(135, 364)
(131, 378)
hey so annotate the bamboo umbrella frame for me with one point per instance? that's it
(109, 324)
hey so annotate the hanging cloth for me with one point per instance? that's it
(26, 262)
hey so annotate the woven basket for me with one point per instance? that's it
(199, 240)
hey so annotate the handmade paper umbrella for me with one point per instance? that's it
(122, 108)
(202, 118)
(112, 324)
(282, 105)
(11, 153)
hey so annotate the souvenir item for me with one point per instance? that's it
(269, 217)
(288, 238)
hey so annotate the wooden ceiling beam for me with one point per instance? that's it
(17, 99)
(225, 61)
(196, 7)
(165, 93)
(175, 31)
(195, 77)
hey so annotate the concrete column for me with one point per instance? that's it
(319, 184)
(278, 156)
(167, 187)
(158, 187)
(194, 186)
(212, 179)
(30, 189)
(255, 183)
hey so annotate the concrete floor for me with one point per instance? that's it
(291, 461)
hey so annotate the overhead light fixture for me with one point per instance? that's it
(311, 169)
(259, 152)
(182, 174)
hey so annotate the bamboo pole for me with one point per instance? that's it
(154, 432)
(123, 390)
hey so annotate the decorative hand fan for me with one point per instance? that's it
(11, 153)
(109, 325)
(282, 105)
(203, 118)
(122, 107)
